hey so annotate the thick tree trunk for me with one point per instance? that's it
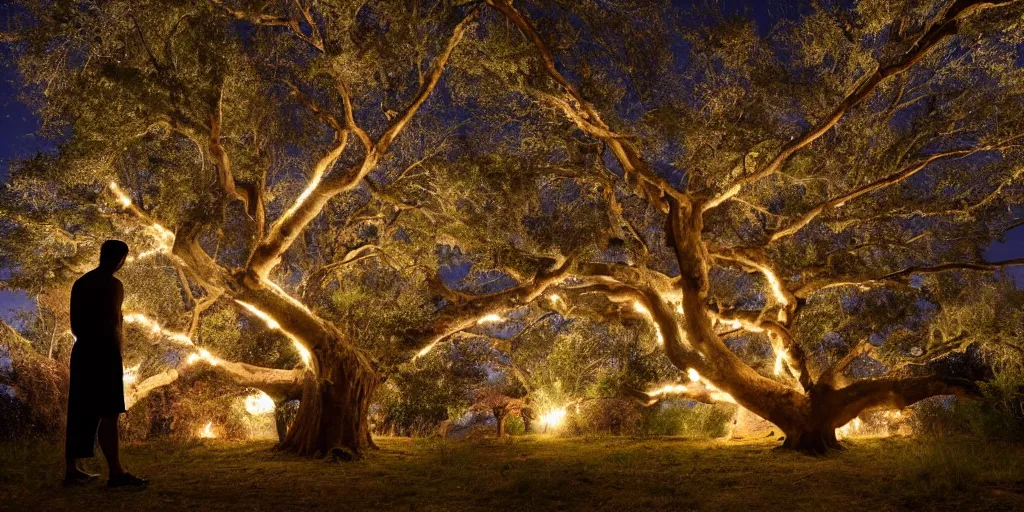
(333, 413)
(816, 441)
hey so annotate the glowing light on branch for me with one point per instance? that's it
(553, 418)
(207, 431)
(120, 195)
(424, 351)
(258, 313)
(776, 285)
(304, 353)
(640, 308)
(131, 374)
(693, 375)
(780, 361)
(163, 237)
(155, 328)
(489, 319)
(668, 389)
(202, 355)
(259, 403)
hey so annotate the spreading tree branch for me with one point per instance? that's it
(308, 206)
(946, 25)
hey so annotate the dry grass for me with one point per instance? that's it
(539, 473)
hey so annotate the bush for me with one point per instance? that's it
(514, 425)
(999, 414)
(612, 416)
(699, 421)
(34, 392)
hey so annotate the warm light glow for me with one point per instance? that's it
(640, 308)
(131, 374)
(849, 429)
(553, 418)
(202, 355)
(667, 390)
(721, 396)
(258, 313)
(425, 350)
(780, 358)
(151, 325)
(304, 353)
(776, 285)
(489, 319)
(207, 431)
(295, 302)
(259, 403)
(120, 195)
(163, 237)
(694, 376)
(732, 324)
(554, 298)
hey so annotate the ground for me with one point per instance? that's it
(538, 473)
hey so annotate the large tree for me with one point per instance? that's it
(332, 169)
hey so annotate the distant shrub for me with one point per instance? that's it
(610, 416)
(514, 425)
(699, 421)
(999, 414)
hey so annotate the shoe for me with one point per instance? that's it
(126, 480)
(80, 478)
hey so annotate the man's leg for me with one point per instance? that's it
(80, 437)
(109, 445)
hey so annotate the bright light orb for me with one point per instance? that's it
(553, 418)
(259, 403)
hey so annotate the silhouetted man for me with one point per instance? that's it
(96, 397)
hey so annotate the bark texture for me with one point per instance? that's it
(334, 410)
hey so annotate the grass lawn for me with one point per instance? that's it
(538, 473)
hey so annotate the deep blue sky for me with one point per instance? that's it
(18, 126)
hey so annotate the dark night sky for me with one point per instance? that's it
(18, 126)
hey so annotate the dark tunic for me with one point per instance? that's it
(97, 385)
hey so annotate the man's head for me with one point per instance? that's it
(112, 255)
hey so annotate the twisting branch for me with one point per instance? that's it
(645, 182)
(468, 311)
(893, 393)
(901, 276)
(272, 20)
(901, 176)
(788, 349)
(648, 399)
(832, 376)
(308, 206)
(945, 26)
(279, 384)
